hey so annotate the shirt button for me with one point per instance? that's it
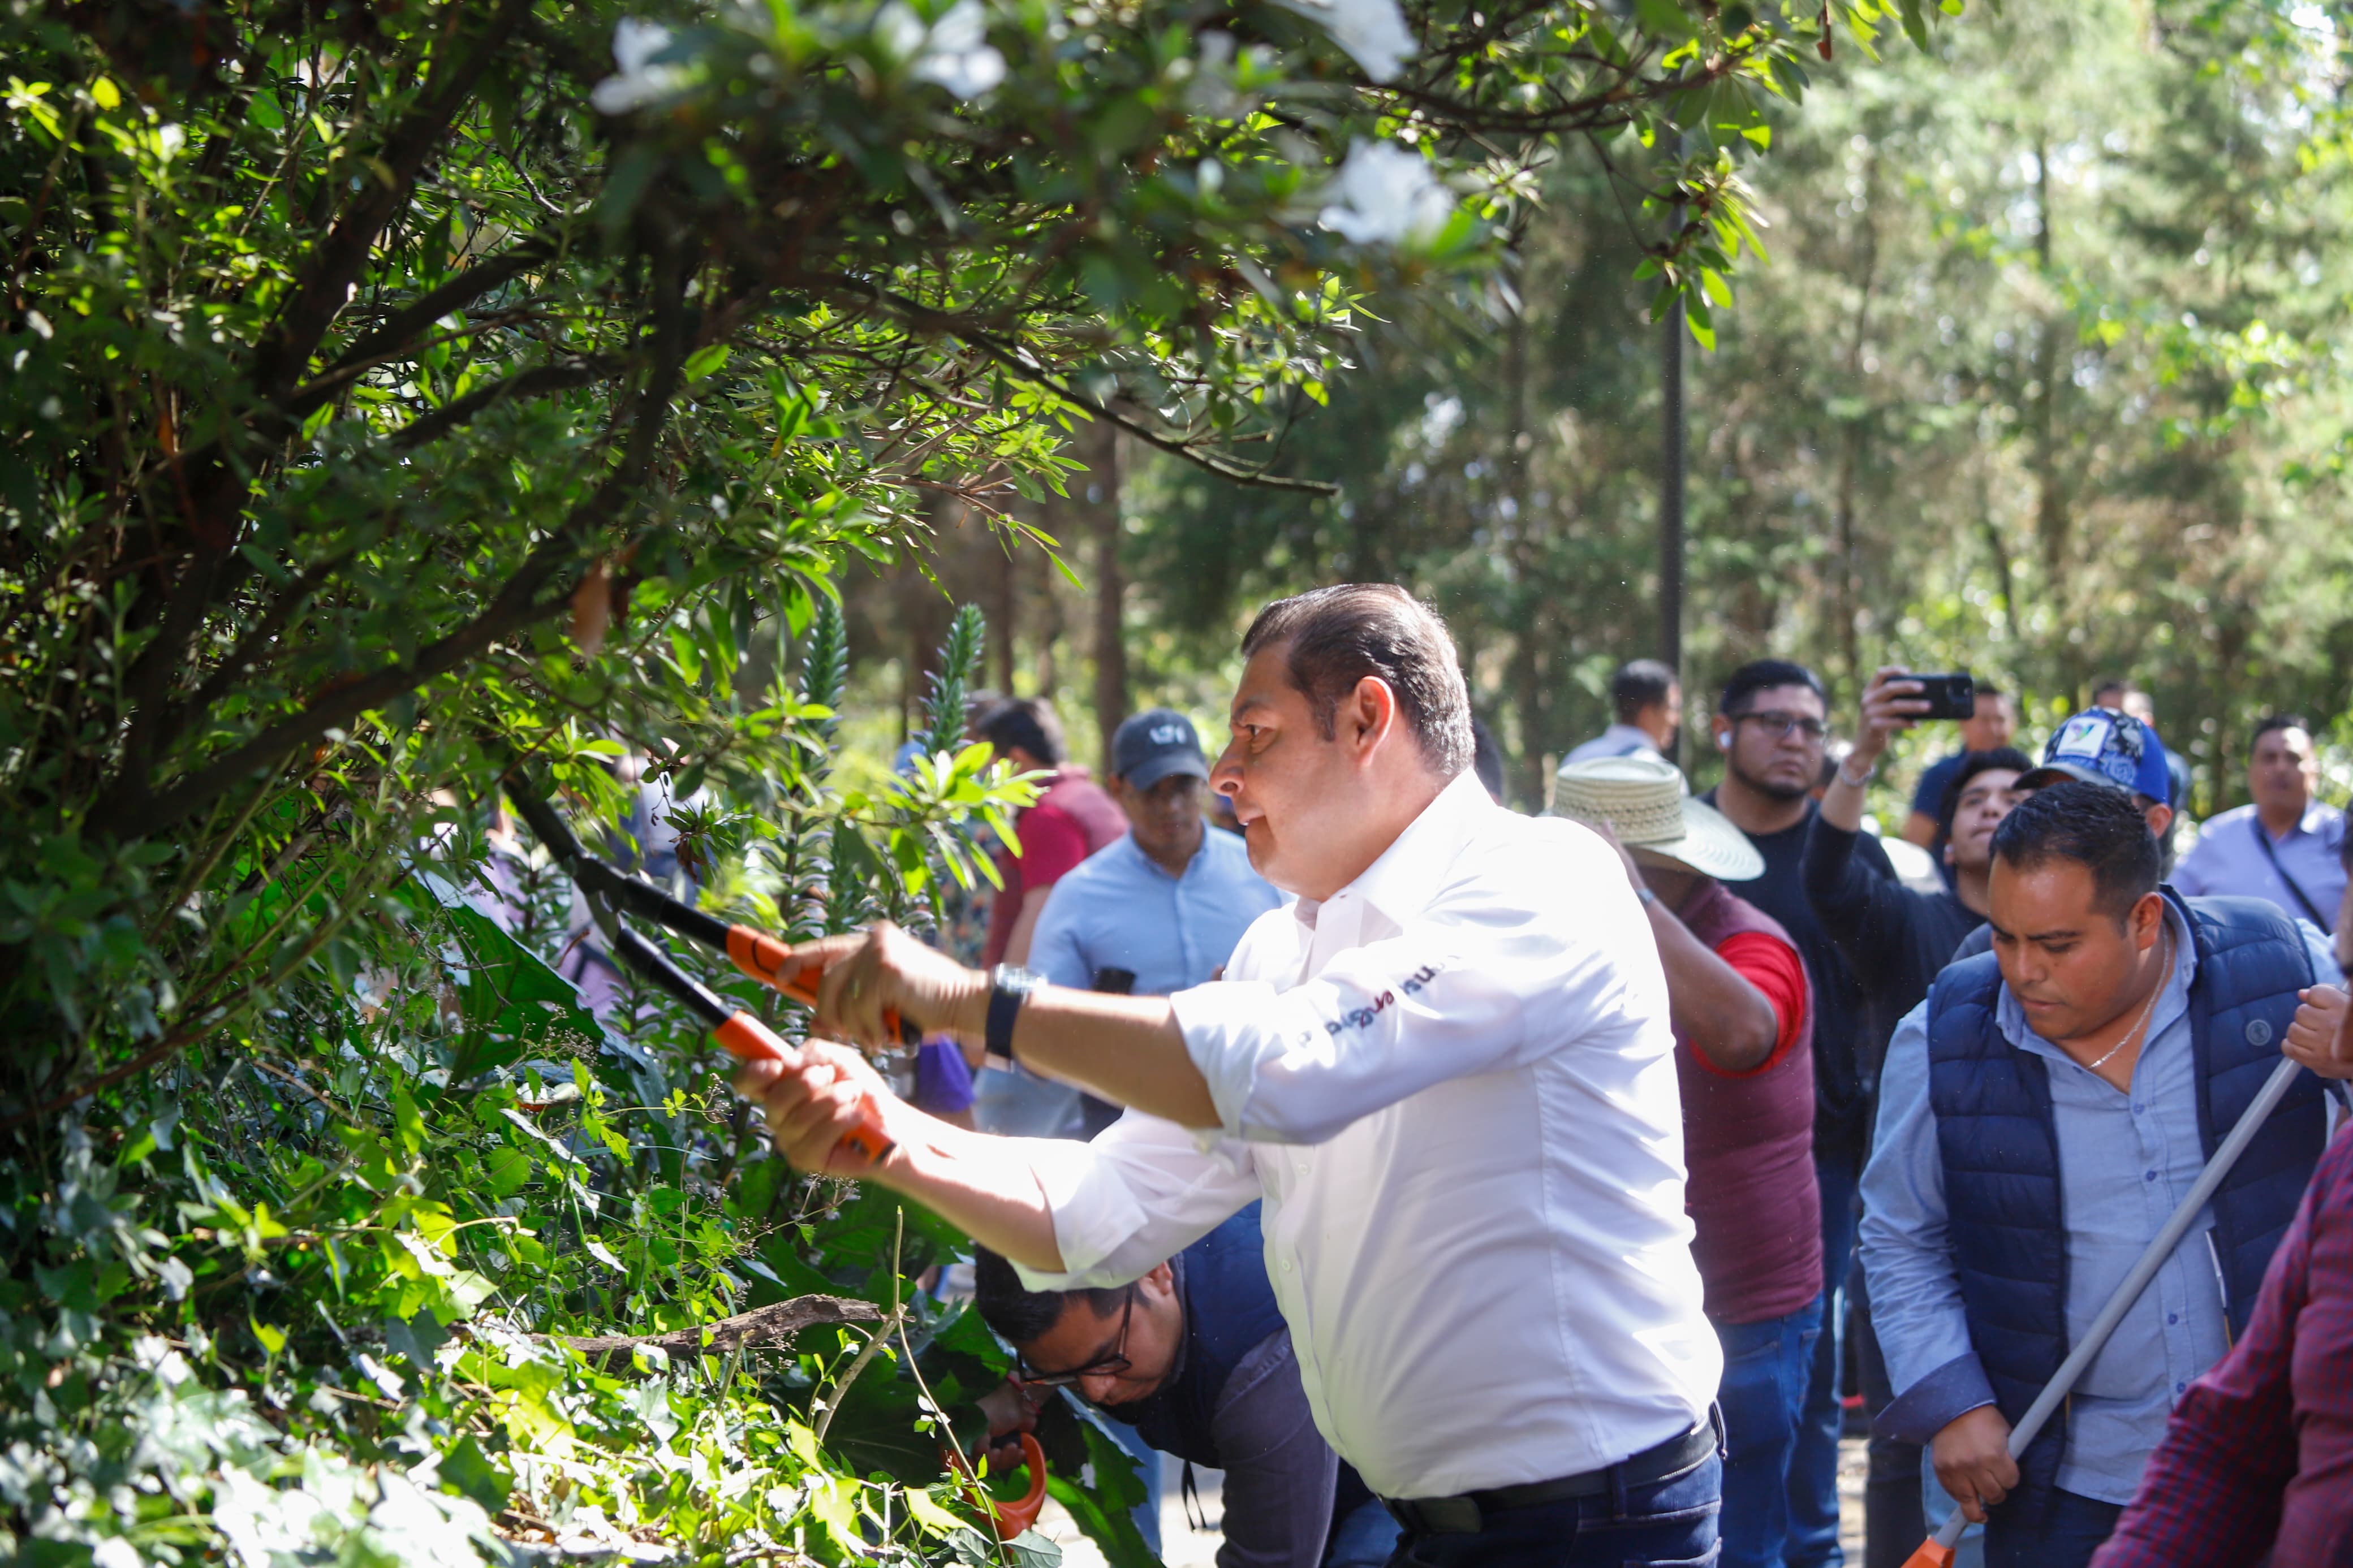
(1286, 1266)
(2180, 1387)
(2149, 1175)
(2173, 1317)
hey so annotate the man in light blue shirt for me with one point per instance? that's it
(2286, 846)
(2039, 1117)
(1161, 908)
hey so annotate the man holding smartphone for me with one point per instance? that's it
(1988, 718)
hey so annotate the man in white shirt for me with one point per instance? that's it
(1449, 1072)
(1648, 701)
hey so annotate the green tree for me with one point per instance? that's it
(397, 394)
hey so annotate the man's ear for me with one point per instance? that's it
(2147, 917)
(1161, 1281)
(1949, 858)
(1371, 708)
(2160, 817)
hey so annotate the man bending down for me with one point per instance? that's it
(1195, 1357)
(1447, 1070)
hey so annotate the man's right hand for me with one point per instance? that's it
(1973, 1462)
(1891, 703)
(813, 1107)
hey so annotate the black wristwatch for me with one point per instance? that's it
(1008, 988)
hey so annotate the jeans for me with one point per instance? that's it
(1366, 1539)
(1813, 1467)
(1893, 1524)
(2043, 1527)
(1668, 1523)
(1767, 1367)
(1937, 1507)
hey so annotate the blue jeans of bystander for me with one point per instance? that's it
(1813, 1468)
(1767, 1367)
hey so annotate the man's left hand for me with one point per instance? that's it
(864, 977)
(2317, 1038)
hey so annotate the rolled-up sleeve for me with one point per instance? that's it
(1140, 1193)
(1915, 1296)
(1451, 995)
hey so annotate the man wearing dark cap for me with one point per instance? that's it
(1160, 909)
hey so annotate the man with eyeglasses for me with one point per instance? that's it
(1769, 727)
(1195, 1357)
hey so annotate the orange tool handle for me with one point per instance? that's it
(764, 958)
(1010, 1519)
(749, 1040)
(1933, 1553)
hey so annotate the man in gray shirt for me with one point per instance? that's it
(1196, 1357)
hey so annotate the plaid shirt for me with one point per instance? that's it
(2259, 1455)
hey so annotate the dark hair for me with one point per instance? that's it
(2091, 825)
(2272, 721)
(1640, 683)
(1340, 634)
(1486, 758)
(1762, 675)
(1026, 722)
(1972, 764)
(1019, 1315)
(2115, 683)
(1985, 688)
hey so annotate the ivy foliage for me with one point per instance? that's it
(395, 391)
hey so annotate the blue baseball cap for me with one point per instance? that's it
(2104, 746)
(1153, 744)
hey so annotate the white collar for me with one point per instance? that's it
(1406, 877)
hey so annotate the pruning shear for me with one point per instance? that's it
(604, 886)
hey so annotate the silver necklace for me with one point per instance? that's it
(2163, 968)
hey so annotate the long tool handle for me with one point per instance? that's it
(754, 952)
(764, 958)
(2176, 1226)
(746, 1037)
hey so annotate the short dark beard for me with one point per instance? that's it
(1782, 793)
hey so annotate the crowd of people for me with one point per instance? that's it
(1475, 1188)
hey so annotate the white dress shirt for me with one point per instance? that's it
(1453, 1084)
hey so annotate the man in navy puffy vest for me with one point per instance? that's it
(1196, 1357)
(2041, 1115)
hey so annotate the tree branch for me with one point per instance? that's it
(531, 383)
(762, 1325)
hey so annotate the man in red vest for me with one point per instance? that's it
(1737, 996)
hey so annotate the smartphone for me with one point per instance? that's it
(1120, 982)
(1948, 696)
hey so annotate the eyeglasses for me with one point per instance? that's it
(1777, 724)
(1112, 1365)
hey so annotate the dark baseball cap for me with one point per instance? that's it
(1155, 744)
(2104, 746)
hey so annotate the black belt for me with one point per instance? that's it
(1467, 1514)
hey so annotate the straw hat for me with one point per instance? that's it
(1646, 803)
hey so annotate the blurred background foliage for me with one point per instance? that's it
(2046, 379)
(397, 394)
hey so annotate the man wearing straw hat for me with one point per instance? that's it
(1737, 996)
